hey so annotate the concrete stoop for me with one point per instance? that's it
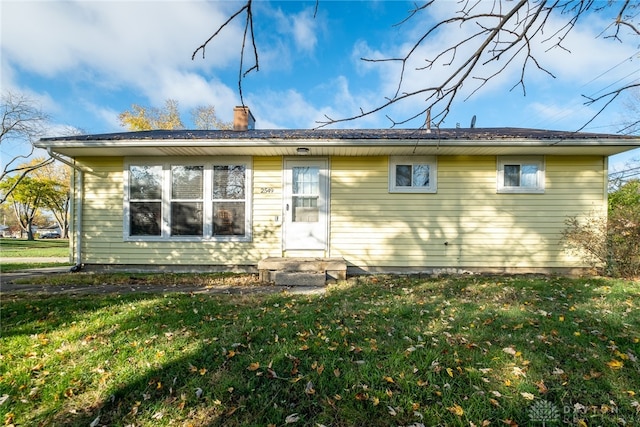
(302, 271)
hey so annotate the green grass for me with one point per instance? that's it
(128, 278)
(19, 248)
(379, 351)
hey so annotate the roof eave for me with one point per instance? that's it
(354, 147)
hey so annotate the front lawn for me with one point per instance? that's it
(21, 248)
(379, 351)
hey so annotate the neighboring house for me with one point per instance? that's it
(393, 200)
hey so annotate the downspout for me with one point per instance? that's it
(78, 227)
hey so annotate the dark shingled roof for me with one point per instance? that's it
(345, 134)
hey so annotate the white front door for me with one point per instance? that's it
(305, 204)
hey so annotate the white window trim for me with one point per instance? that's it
(208, 163)
(521, 160)
(413, 160)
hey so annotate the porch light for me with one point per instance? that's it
(303, 151)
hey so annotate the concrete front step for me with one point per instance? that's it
(295, 278)
(302, 271)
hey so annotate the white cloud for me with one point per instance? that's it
(301, 27)
(125, 38)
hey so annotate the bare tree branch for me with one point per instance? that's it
(22, 123)
(248, 31)
(608, 97)
(506, 34)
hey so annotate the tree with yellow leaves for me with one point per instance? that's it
(150, 118)
(141, 118)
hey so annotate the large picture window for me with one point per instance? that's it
(520, 174)
(414, 174)
(187, 201)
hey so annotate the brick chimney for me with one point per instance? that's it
(243, 119)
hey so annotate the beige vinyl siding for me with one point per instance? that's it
(103, 242)
(372, 227)
(369, 226)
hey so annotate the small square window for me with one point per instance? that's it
(520, 174)
(412, 174)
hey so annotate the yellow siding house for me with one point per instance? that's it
(405, 200)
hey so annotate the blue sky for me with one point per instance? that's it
(87, 61)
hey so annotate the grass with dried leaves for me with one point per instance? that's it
(378, 351)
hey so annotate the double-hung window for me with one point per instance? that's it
(187, 196)
(412, 174)
(183, 200)
(520, 174)
(145, 200)
(229, 200)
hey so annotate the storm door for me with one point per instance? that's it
(305, 204)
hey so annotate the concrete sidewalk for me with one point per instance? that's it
(8, 285)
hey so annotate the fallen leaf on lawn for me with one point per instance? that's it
(509, 350)
(527, 395)
(494, 402)
(542, 388)
(582, 423)
(336, 372)
(456, 410)
(254, 366)
(450, 372)
(95, 422)
(198, 392)
(615, 364)
(389, 380)
(557, 371)
(375, 401)
(392, 411)
(291, 418)
(510, 423)
(309, 388)
(518, 372)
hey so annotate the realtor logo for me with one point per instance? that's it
(544, 412)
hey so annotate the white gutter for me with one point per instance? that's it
(78, 232)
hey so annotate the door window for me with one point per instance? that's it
(306, 191)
